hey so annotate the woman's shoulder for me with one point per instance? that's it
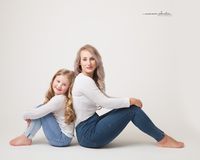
(83, 82)
(81, 78)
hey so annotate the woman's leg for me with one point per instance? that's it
(53, 132)
(99, 131)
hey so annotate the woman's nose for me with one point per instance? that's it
(88, 62)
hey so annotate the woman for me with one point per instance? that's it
(96, 131)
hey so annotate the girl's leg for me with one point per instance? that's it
(21, 140)
(26, 137)
(33, 128)
(53, 132)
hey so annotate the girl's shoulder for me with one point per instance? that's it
(59, 98)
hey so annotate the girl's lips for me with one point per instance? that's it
(58, 89)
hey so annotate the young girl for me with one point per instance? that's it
(55, 115)
(96, 131)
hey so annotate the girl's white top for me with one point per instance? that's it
(56, 105)
(87, 98)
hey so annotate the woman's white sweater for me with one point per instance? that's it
(87, 98)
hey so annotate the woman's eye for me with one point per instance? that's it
(92, 59)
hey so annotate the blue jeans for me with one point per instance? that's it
(97, 131)
(51, 130)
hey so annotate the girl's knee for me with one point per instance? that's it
(56, 144)
(60, 143)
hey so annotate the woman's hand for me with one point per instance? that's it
(136, 102)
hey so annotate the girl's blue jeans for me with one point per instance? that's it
(97, 131)
(51, 130)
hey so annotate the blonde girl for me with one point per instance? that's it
(55, 115)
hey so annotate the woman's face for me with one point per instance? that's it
(88, 63)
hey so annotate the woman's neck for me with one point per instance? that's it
(89, 75)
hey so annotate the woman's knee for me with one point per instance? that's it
(135, 108)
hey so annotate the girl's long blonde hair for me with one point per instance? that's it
(99, 74)
(69, 111)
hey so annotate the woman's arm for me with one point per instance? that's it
(137, 102)
(87, 86)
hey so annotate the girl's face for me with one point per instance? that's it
(60, 85)
(88, 63)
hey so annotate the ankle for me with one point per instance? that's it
(20, 141)
(169, 142)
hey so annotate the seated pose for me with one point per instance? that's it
(88, 94)
(55, 115)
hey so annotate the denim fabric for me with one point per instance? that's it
(97, 131)
(51, 130)
(33, 128)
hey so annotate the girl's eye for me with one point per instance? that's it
(58, 81)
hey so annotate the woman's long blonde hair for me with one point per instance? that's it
(99, 74)
(69, 111)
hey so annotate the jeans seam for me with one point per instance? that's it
(29, 134)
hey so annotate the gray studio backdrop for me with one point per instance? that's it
(149, 50)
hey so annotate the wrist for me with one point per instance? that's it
(132, 101)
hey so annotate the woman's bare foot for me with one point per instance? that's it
(20, 141)
(169, 142)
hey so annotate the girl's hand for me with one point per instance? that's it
(28, 121)
(137, 102)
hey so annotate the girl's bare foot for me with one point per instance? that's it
(20, 141)
(169, 142)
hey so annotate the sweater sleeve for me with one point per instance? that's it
(54, 104)
(91, 91)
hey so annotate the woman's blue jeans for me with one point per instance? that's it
(51, 130)
(97, 131)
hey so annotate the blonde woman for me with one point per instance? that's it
(88, 94)
(55, 115)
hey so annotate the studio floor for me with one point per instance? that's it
(131, 144)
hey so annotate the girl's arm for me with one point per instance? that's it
(54, 104)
